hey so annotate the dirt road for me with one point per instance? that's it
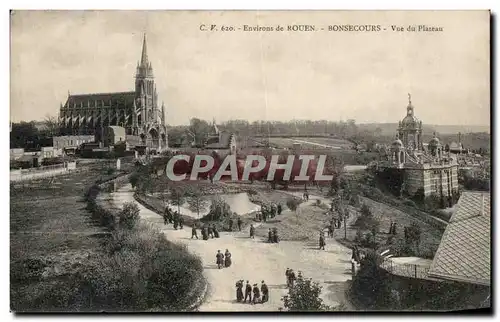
(256, 260)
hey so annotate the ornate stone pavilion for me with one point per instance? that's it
(428, 171)
(137, 111)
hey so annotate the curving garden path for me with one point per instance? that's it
(255, 260)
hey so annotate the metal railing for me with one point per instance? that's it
(406, 270)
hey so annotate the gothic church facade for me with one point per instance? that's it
(137, 111)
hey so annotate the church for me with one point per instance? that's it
(423, 170)
(137, 111)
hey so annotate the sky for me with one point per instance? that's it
(365, 76)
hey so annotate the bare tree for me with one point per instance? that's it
(51, 125)
(196, 200)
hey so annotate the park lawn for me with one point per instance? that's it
(51, 234)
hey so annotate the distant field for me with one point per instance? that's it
(311, 142)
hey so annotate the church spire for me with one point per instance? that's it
(144, 56)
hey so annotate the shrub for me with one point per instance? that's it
(219, 210)
(292, 204)
(129, 215)
(365, 211)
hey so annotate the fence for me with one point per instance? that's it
(404, 269)
(42, 172)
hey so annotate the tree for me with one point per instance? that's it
(365, 211)
(197, 201)
(129, 215)
(51, 126)
(304, 296)
(199, 130)
(22, 134)
(292, 204)
(219, 209)
(177, 197)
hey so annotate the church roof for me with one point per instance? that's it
(464, 253)
(117, 97)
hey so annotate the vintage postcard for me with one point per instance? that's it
(180, 161)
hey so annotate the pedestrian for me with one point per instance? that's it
(215, 231)
(176, 222)
(275, 235)
(264, 216)
(165, 219)
(265, 292)
(291, 278)
(239, 291)
(230, 224)
(287, 275)
(322, 241)
(256, 294)
(181, 221)
(240, 222)
(210, 231)
(394, 230)
(280, 209)
(219, 259)
(273, 210)
(270, 236)
(194, 233)
(252, 231)
(227, 258)
(248, 293)
(204, 233)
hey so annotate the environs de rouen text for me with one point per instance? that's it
(315, 28)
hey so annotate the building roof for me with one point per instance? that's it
(464, 253)
(122, 98)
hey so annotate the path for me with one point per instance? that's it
(256, 260)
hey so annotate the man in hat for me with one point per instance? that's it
(275, 235)
(252, 231)
(240, 222)
(270, 236)
(265, 292)
(291, 278)
(256, 294)
(230, 224)
(287, 274)
(248, 293)
(219, 259)
(322, 241)
(181, 221)
(280, 209)
(194, 233)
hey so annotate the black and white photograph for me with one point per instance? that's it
(250, 161)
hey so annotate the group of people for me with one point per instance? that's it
(223, 260)
(239, 222)
(269, 211)
(335, 223)
(272, 236)
(259, 295)
(173, 217)
(207, 231)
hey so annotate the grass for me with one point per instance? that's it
(51, 236)
(58, 264)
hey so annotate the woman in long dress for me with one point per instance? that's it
(239, 291)
(227, 256)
